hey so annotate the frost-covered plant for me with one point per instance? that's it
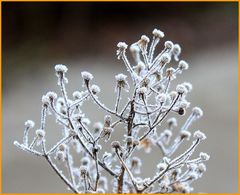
(149, 104)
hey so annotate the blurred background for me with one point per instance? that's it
(84, 36)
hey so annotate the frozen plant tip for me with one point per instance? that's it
(152, 98)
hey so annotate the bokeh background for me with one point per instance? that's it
(84, 36)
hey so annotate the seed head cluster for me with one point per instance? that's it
(98, 162)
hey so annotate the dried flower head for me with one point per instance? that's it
(87, 76)
(122, 81)
(158, 33)
(29, 124)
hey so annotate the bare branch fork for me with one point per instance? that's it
(151, 100)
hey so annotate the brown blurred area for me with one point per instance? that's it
(82, 35)
(69, 30)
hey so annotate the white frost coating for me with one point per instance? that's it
(51, 95)
(158, 33)
(161, 98)
(145, 39)
(204, 156)
(172, 121)
(122, 45)
(45, 99)
(183, 65)
(167, 133)
(86, 75)
(197, 112)
(142, 90)
(202, 167)
(61, 68)
(40, 133)
(88, 162)
(181, 89)
(162, 166)
(168, 44)
(185, 134)
(77, 94)
(29, 124)
(199, 135)
(121, 77)
(95, 89)
(165, 58)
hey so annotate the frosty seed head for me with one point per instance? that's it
(107, 120)
(122, 81)
(29, 124)
(143, 43)
(172, 122)
(167, 133)
(40, 133)
(161, 98)
(45, 100)
(51, 95)
(62, 147)
(183, 65)
(95, 89)
(165, 58)
(121, 77)
(193, 176)
(60, 68)
(60, 156)
(204, 156)
(122, 45)
(86, 121)
(144, 39)
(197, 112)
(173, 94)
(141, 90)
(87, 76)
(168, 44)
(202, 167)
(116, 144)
(199, 135)
(129, 139)
(162, 166)
(185, 134)
(169, 73)
(184, 104)
(83, 171)
(157, 33)
(77, 95)
(181, 89)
